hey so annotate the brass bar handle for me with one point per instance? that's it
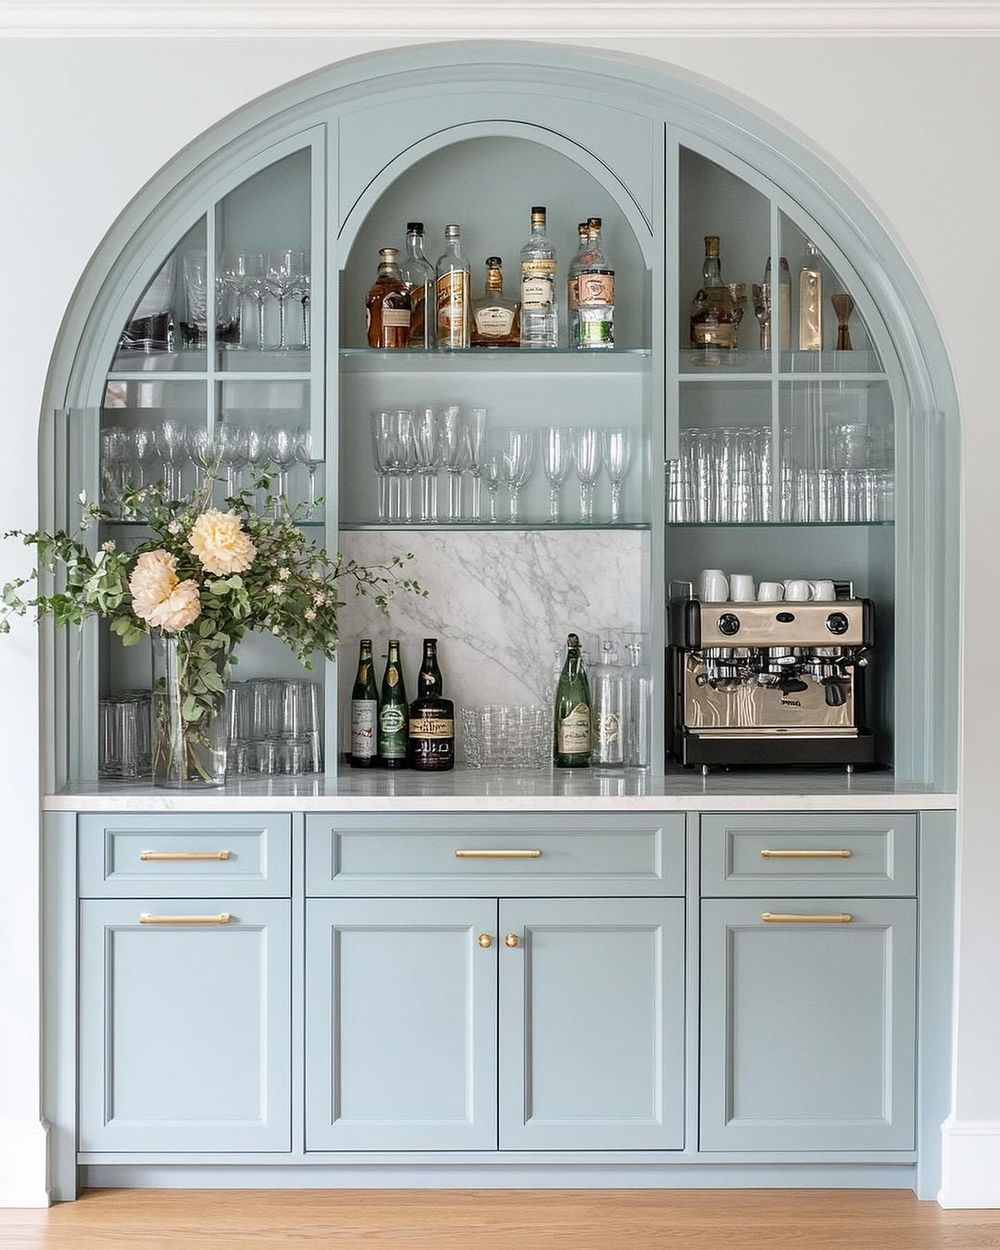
(841, 854)
(527, 854)
(511, 941)
(772, 917)
(485, 940)
(224, 917)
(163, 856)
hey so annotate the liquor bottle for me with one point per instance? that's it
(539, 318)
(418, 278)
(572, 288)
(810, 301)
(432, 718)
(364, 711)
(393, 713)
(388, 305)
(607, 709)
(496, 319)
(595, 290)
(452, 292)
(713, 314)
(784, 302)
(572, 711)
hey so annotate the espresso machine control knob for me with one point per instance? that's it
(729, 624)
(837, 623)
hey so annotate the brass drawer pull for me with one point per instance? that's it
(460, 854)
(772, 917)
(163, 856)
(485, 940)
(844, 854)
(224, 917)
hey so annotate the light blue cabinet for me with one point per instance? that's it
(808, 1021)
(401, 1024)
(185, 1016)
(592, 1024)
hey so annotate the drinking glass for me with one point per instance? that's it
(201, 453)
(233, 280)
(617, 447)
(587, 452)
(761, 295)
(256, 455)
(557, 459)
(407, 460)
(279, 446)
(116, 454)
(738, 294)
(119, 736)
(143, 453)
(450, 438)
(491, 476)
(299, 283)
(194, 329)
(233, 454)
(426, 452)
(473, 438)
(171, 447)
(254, 286)
(278, 271)
(305, 454)
(386, 453)
(516, 465)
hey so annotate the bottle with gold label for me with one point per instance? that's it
(387, 308)
(572, 711)
(364, 710)
(539, 316)
(595, 295)
(418, 278)
(713, 313)
(495, 318)
(393, 713)
(453, 292)
(432, 718)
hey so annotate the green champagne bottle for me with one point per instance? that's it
(393, 713)
(572, 712)
(364, 711)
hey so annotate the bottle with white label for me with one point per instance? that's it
(364, 711)
(572, 711)
(539, 317)
(453, 286)
(393, 713)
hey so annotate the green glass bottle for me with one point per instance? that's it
(572, 712)
(364, 711)
(393, 713)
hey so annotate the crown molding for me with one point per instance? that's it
(546, 19)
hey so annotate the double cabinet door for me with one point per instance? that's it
(478, 1024)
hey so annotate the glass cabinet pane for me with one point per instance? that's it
(264, 426)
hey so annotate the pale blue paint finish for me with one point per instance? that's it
(882, 861)
(401, 1024)
(184, 1030)
(631, 853)
(59, 1001)
(259, 862)
(592, 1024)
(808, 1031)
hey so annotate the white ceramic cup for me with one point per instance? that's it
(741, 588)
(713, 587)
(770, 592)
(823, 591)
(798, 590)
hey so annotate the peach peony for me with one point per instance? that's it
(220, 543)
(179, 609)
(153, 579)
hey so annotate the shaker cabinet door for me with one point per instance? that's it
(185, 1025)
(808, 1024)
(401, 1024)
(591, 1024)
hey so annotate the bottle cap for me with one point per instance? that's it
(711, 245)
(414, 227)
(452, 232)
(538, 209)
(493, 262)
(594, 223)
(430, 642)
(572, 640)
(388, 253)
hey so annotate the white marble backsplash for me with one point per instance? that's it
(499, 604)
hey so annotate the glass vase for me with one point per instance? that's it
(185, 752)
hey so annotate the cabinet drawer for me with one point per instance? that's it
(809, 854)
(197, 856)
(492, 855)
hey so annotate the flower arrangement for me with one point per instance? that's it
(204, 580)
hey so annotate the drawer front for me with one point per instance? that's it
(871, 853)
(185, 856)
(494, 855)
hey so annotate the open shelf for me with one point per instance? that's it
(776, 525)
(488, 360)
(534, 526)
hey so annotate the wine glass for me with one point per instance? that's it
(473, 437)
(617, 448)
(116, 452)
(233, 279)
(171, 447)
(516, 465)
(253, 285)
(426, 446)
(407, 459)
(557, 457)
(450, 437)
(201, 453)
(279, 447)
(386, 454)
(278, 276)
(491, 476)
(761, 295)
(299, 282)
(143, 452)
(233, 453)
(587, 450)
(305, 454)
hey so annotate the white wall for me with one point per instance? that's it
(910, 120)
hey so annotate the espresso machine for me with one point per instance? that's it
(769, 684)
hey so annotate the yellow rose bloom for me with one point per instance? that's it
(152, 581)
(220, 543)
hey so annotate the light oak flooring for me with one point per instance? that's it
(498, 1220)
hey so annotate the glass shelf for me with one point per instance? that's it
(755, 366)
(114, 523)
(541, 527)
(487, 360)
(787, 525)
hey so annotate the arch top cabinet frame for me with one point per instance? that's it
(641, 136)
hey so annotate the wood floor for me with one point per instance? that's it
(498, 1220)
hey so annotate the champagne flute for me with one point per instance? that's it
(473, 437)
(299, 283)
(426, 448)
(617, 448)
(171, 447)
(516, 466)
(278, 276)
(233, 453)
(279, 446)
(143, 452)
(407, 459)
(557, 458)
(587, 450)
(254, 286)
(305, 454)
(450, 435)
(491, 476)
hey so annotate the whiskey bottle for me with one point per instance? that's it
(393, 713)
(495, 318)
(388, 305)
(452, 292)
(572, 711)
(364, 711)
(784, 303)
(432, 718)
(539, 317)
(418, 278)
(572, 287)
(595, 292)
(713, 314)
(811, 301)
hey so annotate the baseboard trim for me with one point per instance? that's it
(24, 1163)
(970, 1163)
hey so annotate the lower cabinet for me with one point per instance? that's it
(808, 1024)
(185, 1018)
(406, 999)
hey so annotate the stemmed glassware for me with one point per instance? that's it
(473, 438)
(450, 435)
(143, 452)
(305, 454)
(407, 460)
(386, 453)
(516, 465)
(426, 452)
(491, 466)
(233, 454)
(278, 273)
(279, 448)
(233, 281)
(299, 282)
(115, 457)
(587, 450)
(171, 447)
(557, 458)
(201, 453)
(254, 286)
(617, 448)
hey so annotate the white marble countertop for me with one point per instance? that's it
(550, 790)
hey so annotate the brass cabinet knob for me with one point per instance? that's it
(485, 940)
(512, 940)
